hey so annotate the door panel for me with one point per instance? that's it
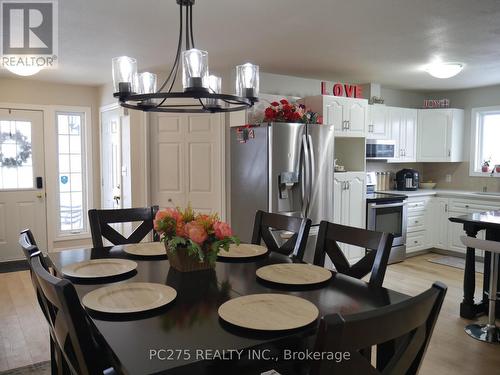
(111, 156)
(357, 117)
(22, 205)
(335, 114)
(433, 133)
(186, 162)
(321, 148)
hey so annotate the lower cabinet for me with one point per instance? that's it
(418, 228)
(350, 206)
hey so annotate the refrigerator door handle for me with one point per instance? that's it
(305, 179)
(312, 170)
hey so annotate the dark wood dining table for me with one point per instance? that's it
(188, 337)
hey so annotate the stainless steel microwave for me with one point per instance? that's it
(380, 149)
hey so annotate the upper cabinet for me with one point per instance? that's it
(348, 116)
(440, 135)
(379, 124)
(403, 124)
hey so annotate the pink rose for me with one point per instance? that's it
(160, 215)
(196, 232)
(222, 230)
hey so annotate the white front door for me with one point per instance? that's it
(22, 199)
(111, 155)
(186, 161)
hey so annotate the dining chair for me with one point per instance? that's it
(80, 348)
(30, 249)
(375, 261)
(400, 334)
(100, 227)
(266, 223)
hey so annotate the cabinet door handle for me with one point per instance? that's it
(449, 152)
(416, 221)
(348, 124)
(466, 206)
(446, 207)
(344, 127)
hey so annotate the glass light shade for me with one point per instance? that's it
(124, 74)
(444, 70)
(214, 87)
(146, 83)
(247, 80)
(194, 69)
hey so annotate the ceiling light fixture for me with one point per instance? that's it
(444, 69)
(139, 91)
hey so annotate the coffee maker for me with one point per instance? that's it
(407, 179)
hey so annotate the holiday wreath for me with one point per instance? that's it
(23, 150)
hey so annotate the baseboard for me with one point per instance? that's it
(454, 253)
(14, 266)
(416, 253)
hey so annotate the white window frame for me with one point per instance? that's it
(476, 135)
(84, 173)
(87, 181)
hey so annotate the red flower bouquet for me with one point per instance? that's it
(192, 237)
(290, 112)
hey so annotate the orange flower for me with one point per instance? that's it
(196, 232)
(180, 229)
(222, 230)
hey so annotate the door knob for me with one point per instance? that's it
(169, 200)
(39, 195)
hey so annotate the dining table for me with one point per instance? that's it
(188, 336)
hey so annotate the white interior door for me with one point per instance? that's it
(111, 155)
(22, 203)
(186, 161)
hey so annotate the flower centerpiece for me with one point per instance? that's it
(192, 240)
(284, 111)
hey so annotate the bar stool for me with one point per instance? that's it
(488, 332)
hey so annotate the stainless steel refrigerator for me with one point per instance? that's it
(285, 168)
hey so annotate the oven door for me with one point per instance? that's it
(389, 218)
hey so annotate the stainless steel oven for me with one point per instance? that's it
(390, 215)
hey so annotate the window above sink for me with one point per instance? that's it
(485, 137)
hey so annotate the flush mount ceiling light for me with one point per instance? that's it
(444, 69)
(139, 90)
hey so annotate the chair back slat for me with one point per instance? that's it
(267, 224)
(374, 262)
(400, 332)
(100, 227)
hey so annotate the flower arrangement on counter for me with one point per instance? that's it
(284, 111)
(199, 236)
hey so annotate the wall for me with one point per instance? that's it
(465, 99)
(33, 92)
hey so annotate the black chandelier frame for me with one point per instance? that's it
(158, 102)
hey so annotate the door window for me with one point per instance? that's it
(16, 167)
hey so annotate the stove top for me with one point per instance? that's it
(384, 197)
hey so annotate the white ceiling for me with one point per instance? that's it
(385, 41)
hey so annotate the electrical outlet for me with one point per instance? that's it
(448, 178)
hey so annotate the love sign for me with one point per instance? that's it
(343, 89)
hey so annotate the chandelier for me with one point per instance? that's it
(139, 90)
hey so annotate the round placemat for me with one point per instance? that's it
(243, 250)
(129, 298)
(95, 268)
(147, 249)
(269, 312)
(294, 274)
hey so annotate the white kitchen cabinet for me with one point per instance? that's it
(379, 124)
(418, 227)
(439, 222)
(404, 133)
(349, 116)
(350, 206)
(440, 135)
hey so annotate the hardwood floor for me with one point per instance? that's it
(24, 336)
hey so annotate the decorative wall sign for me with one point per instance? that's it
(436, 103)
(342, 89)
(23, 147)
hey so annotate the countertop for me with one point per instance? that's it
(447, 193)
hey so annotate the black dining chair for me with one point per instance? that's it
(400, 334)
(100, 221)
(266, 223)
(375, 261)
(80, 350)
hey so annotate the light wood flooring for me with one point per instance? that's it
(24, 337)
